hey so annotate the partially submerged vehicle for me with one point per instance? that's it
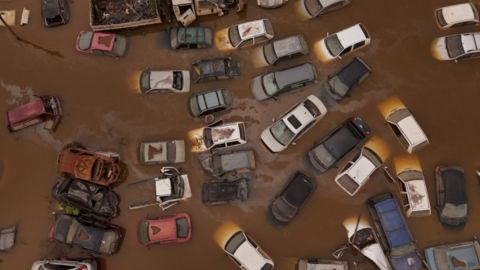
(166, 190)
(343, 42)
(271, 3)
(222, 68)
(161, 152)
(315, 8)
(218, 135)
(7, 238)
(175, 228)
(221, 164)
(451, 193)
(413, 193)
(250, 33)
(223, 192)
(285, 48)
(45, 109)
(66, 264)
(156, 81)
(455, 256)
(319, 264)
(184, 11)
(101, 168)
(210, 102)
(246, 253)
(457, 46)
(101, 43)
(190, 37)
(55, 12)
(406, 128)
(457, 15)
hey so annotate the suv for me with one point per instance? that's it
(293, 124)
(250, 33)
(338, 44)
(452, 203)
(222, 192)
(407, 130)
(190, 37)
(338, 143)
(284, 48)
(457, 46)
(218, 135)
(229, 163)
(315, 8)
(155, 81)
(210, 102)
(457, 15)
(222, 68)
(274, 83)
(246, 253)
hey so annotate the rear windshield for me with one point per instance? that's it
(177, 80)
(311, 108)
(234, 36)
(182, 227)
(234, 242)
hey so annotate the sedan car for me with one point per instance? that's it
(293, 124)
(161, 152)
(285, 48)
(338, 144)
(338, 44)
(356, 172)
(222, 68)
(457, 46)
(457, 15)
(292, 198)
(166, 229)
(217, 136)
(210, 102)
(101, 43)
(223, 192)
(65, 264)
(315, 8)
(250, 33)
(190, 37)
(452, 204)
(88, 197)
(156, 81)
(409, 133)
(55, 12)
(275, 83)
(91, 235)
(246, 253)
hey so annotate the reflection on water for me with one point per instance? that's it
(406, 162)
(134, 81)
(221, 40)
(224, 232)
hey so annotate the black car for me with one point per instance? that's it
(101, 238)
(55, 12)
(452, 202)
(222, 68)
(337, 144)
(86, 196)
(222, 192)
(286, 206)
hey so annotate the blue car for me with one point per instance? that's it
(465, 255)
(395, 236)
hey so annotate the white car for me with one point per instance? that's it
(456, 46)
(218, 135)
(83, 264)
(357, 171)
(249, 33)
(293, 124)
(246, 253)
(338, 44)
(154, 81)
(315, 8)
(457, 15)
(271, 3)
(407, 130)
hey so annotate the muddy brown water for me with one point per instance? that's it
(103, 111)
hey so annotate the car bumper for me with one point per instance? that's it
(439, 49)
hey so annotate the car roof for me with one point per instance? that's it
(288, 45)
(227, 132)
(249, 256)
(155, 151)
(342, 141)
(361, 169)
(412, 131)
(326, 3)
(210, 99)
(298, 190)
(295, 74)
(417, 195)
(103, 41)
(211, 67)
(471, 41)
(454, 182)
(251, 29)
(191, 35)
(458, 13)
(393, 223)
(163, 187)
(298, 118)
(162, 229)
(161, 79)
(351, 35)
(353, 72)
(26, 111)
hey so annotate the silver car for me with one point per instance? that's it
(285, 48)
(315, 8)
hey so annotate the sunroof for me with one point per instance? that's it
(294, 121)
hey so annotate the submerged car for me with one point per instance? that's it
(101, 168)
(223, 192)
(293, 124)
(250, 33)
(319, 264)
(451, 193)
(394, 233)
(156, 81)
(101, 43)
(338, 44)
(292, 198)
(275, 83)
(165, 230)
(463, 255)
(285, 48)
(246, 253)
(413, 192)
(65, 264)
(315, 8)
(457, 46)
(457, 15)
(222, 68)
(356, 172)
(88, 197)
(184, 11)
(210, 102)
(43, 109)
(220, 164)
(161, 152)
(338, 144)
(7, 238)
(406, 128)
(55, 12)
(168, 189)
(91, 235)
(191, 37)
(218, 135)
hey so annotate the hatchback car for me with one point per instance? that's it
(250, 33)
(91, 235)
(156, 81)
(292, 198)
(293, 124)
(101, 43)
(246, 253)
(454, 256)
(457, 15)
(338, 143)
(223, 192)
(356, 172)
(65, 264)
(236, 162)
(210, 102)
(275, 83)
(452, 204)
(218, 135)
(164, 230)
(42, 109)
(191, 37)
(407, 129)
(55, 12)
(161, 152)
(413, 192)
(457, 46)
(284, 48)
(315, 8)
(90, 198)
(338, 44)
(222, 68)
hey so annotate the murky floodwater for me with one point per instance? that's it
(102, 110)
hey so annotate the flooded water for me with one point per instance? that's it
(102, 110)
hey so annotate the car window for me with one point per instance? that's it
(233, 143)
(234, 242)
(346, 50)
(333, 45)
(359, 44)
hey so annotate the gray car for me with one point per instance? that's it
(285, 48)
(209, 102)
(229, 163)
(274, 83)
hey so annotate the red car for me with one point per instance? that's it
(42, 109)
(101, 43)
(167, 229)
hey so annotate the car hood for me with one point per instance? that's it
(196, 137)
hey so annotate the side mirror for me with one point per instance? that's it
(294, 143)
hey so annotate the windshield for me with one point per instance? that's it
(454, 46)
(282, 133)
(269, 85)
(333, 45)
(207, 137)
(182, 227)
(313, 7)
(177, 80)
(234, 36)
(234, 242)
